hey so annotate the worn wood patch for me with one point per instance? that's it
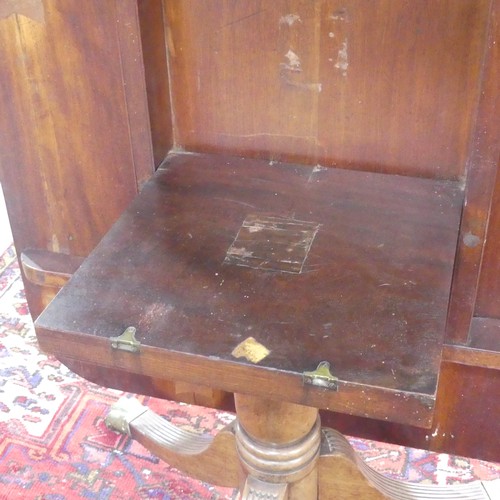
(272, 243)
(252, 350)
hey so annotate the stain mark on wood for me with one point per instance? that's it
(252, 350)
(294, 63)
(272, 243)
(314, 87)
(294, 66)
(471, 240)
(290, 19)
(343, 59)
(340, 15)
(29, 8)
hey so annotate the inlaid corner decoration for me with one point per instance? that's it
(28, 8)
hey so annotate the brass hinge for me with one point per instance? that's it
(126, 341)
(321, 377)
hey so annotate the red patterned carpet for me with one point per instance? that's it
(54, 444)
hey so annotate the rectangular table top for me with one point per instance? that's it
(244, 274)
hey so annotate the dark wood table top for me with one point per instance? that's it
(243, 274)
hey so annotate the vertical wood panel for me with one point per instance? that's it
(67, 162)
(153, 35)
(134, 89)
(482, 166)
(405, 102)
(384, 85)
(488, 298)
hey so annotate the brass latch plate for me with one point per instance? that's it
(321, 377)
(126, 341)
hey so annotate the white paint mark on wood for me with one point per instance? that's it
(293, 63)
(314, 87)
(319, 168)
(340, 15)
(315, 170)
(343, 59)
(239, 202)
(241, 252)
(290, 19)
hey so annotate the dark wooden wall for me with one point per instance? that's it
(74, 133)
(388, 86)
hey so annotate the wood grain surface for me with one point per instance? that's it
(74, 132)
(488, 298)
(371, 297)
(386, 86)
(154, 53)
(477, 269)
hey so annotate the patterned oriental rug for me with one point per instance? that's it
(54, 444)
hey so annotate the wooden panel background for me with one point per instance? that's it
(154, 52)
(387, 86)
(488, 298)
(465, 418)
(71, 156)
(476, 237)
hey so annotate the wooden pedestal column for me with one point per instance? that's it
(278, 445)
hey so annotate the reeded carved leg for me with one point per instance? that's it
(213, 460)
(277, 451)
(344, 475)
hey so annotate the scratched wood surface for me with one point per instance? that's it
(370, 297)
(383, 85)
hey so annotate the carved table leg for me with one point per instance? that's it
(277, 451)
(213, 460)
(344, 476)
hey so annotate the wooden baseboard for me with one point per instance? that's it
(483, 349)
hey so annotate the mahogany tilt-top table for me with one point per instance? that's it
(294, 287)
(285, 209)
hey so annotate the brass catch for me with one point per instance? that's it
(321, 377)
(126, 341)
(122, 413)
